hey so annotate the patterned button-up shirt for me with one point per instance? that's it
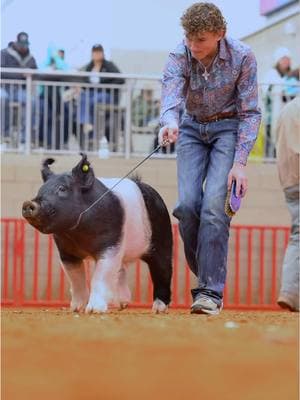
(230, 87)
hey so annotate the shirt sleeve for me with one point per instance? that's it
(174, 84)
(247, 108)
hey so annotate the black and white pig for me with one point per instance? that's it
(130, 222)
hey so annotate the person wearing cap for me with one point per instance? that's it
(88, 99)
(215, 78)
(288, 157)
(277, 91)
(16, 55)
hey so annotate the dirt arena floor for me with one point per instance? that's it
(53, 354)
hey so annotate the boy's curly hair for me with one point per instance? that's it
(203, 17)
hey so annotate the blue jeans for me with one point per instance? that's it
(205, 154)
(88, 100)
(290, 269)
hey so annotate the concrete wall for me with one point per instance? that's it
(129, 61)
(264, 204)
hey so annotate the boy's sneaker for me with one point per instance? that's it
(205, 305)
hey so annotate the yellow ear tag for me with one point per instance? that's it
(85, 168)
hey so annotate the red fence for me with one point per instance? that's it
(31, 274)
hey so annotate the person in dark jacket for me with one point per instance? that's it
(16, 55)
(90, 97)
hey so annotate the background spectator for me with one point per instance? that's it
(277, 92)
(288, 152)
(145, 108)
(16, 55)
(89, 98)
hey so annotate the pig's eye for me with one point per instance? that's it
(62, 189)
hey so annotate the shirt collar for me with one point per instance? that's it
(223, 52)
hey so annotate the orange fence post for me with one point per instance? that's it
(21, 253)
(49, 268)
(36, 264)
(262, 266)
(274, 265)
(15, 266)
(175, 266)
(61, 285)
(249, 269)
(5, 264)
(237, 267)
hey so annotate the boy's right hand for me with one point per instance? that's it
(168, 134)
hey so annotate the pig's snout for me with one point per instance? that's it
(30, 209)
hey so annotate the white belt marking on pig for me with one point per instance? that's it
(136, 230)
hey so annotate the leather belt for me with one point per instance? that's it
(215, 117)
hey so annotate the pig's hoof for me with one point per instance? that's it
(78, 305)
(123, 305)
(96, 306)
(124, 295)
(159, 307)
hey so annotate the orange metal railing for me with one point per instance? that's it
(31, 274)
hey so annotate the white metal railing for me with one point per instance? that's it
(55, 111)
(58, 111)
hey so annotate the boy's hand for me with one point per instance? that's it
(238, 174)
(168, 133)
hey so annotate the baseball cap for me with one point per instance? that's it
(22, 39)
(98, 47)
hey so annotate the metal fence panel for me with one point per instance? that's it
(32, 276)
(61, 112)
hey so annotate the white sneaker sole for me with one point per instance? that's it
(201, 310)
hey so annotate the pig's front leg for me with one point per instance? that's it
(104, 281)
(79, 290)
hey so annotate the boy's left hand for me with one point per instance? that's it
(238, 174)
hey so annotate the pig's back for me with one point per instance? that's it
(137, 227)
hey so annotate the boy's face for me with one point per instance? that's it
(203, 44)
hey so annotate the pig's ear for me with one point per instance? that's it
(46, 172)
(83, 173)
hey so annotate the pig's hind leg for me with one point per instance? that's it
(161, 275)
(159, 254)
(124, 294)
